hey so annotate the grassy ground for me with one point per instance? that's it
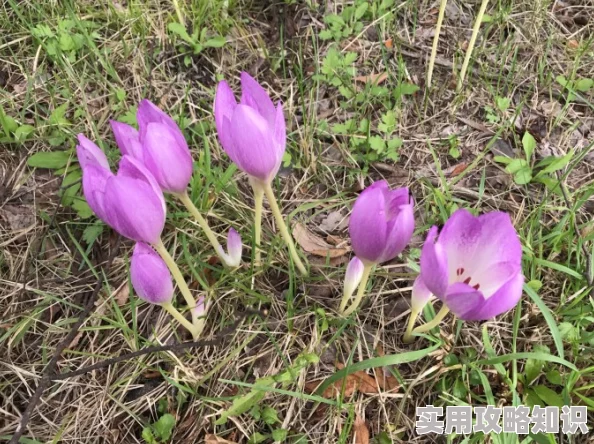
(353, 82)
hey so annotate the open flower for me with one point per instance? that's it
(150, 276)
(474, 265)
(159, 145)
(131, 202)
(382, 223)
(253, 132)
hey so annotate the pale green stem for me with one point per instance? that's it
(176, 273)
(185, 199)
(360, 291)
(194, 329)
(283, 229)
(433, 322)
(178, 11)
(408, 337)
(442, 7)
(258, 201)
(475, 30)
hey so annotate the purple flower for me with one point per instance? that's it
(353, 275)
(150, 276)
(420, 295)
(474, 265)
(159, 145)
(200, 309)
(131, 202)
(253, 132)
(234, 247)
(382, 223)
(90, 154)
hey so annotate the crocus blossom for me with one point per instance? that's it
(253, 132)
(234, 247)
(474, 265)
(150, 276)
(131, 202)
(382, 223)
(352, 277)
(200, 309)
(420, 295)
(159, 145)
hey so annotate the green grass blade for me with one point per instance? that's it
(555, 333)
(382, 361)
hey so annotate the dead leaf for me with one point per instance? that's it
(573, 44)
(331, 222)
(385, 379)
(214, 439)
(360, 431)
(122, 294)
(375, 79)
(458, 169)
(315, 245)
(18, 217)
(334, 240)
(355, 382)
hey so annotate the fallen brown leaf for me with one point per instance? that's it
(375, 79)
(385, 379)
(315, 245)
(360, 431)
(122, 294)
(355, 382)
(458, 169)
(214, 439)
(332, 221)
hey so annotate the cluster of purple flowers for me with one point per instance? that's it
(473, 264)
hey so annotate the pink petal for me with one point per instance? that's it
(200, 309)
(134, 209)
(401, 225)
(254, 148)
(94, 181)
(149, 112)
(224, 104)
(234, 247)
(280, 133)
(420, 294)
(499, 241)
(256, 97)
(504, 299)
(434, 265)
(170, 163)
(463, 300)
(130, 167)
(353, 276)
(127, 139)
(89, 153)
(460, 238)
(368, 225)
(493, 276)
(150, 276)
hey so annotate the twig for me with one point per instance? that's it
(442, 8)
(161, 348)
(51, 366)
(475, 31)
